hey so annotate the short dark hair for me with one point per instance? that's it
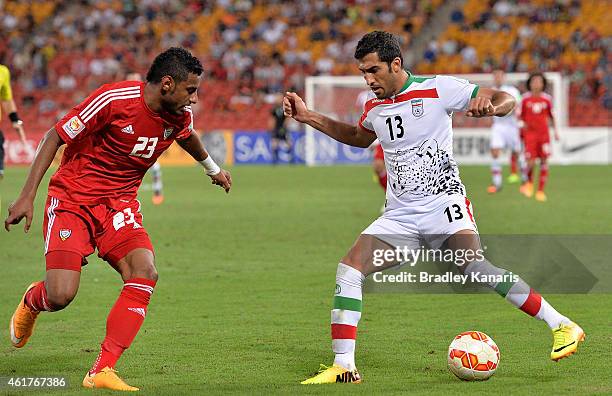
(532, 76)
(175, 62)
(385, 44)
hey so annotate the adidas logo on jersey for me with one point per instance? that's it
(139, 311)
(128, 129)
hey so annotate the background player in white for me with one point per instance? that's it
(425, 197)
(505, 135)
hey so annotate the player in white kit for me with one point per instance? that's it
(426, 200)
(505, 136)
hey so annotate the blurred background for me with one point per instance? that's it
(252, 50)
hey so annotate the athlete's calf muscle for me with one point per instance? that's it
(62, 286)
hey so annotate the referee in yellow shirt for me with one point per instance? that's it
(7, 104)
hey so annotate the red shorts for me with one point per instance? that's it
(80, 229)
(379, 153)
(537, 149)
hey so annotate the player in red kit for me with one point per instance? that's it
(111, 139)
(536, 113)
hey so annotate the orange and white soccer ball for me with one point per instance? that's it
(473, 356)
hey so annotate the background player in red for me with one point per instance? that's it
(112, 138)
(536, 113)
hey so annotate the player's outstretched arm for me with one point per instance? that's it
(490, 102)
(193, 145)
(295, 107)
(24, 205)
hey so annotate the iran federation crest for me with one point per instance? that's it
(417, 107)
(65, 233)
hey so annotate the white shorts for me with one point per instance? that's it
(503, 137)
(431, 221)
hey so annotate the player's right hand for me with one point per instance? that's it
(294, 107)
(222, 179)
(17, 211)
(480, 106)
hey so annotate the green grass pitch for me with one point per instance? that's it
(246, 282)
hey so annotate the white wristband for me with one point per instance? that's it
(211, 167)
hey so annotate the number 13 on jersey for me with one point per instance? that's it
(398, 126)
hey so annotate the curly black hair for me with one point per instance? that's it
(385, 44)
(532, 76)
(175, 62)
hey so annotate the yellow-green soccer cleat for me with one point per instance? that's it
(333, 374)
(514, 178)
(566, 339)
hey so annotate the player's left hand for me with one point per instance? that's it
(480, 106)
(21, 132)
(17, 211)
(222, 179)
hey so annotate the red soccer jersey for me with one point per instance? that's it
(112, 138)
(535, 112)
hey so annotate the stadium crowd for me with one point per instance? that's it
(252, 49)
(569, 36)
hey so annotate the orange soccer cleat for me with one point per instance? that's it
(540, 196)
(527, 189)
(157, 199)
(22, 321)
(493, 189)
(107, 378)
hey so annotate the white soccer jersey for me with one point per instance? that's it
(415, 130)
(509, 121)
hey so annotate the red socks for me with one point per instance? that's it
(530, 174)
(124, 321)
(543, 177)
(36, 298)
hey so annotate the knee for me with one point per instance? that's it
(138, 264)
(352, 261)
(59, 298)
(146, 271)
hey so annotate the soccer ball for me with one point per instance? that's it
(473, 356)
